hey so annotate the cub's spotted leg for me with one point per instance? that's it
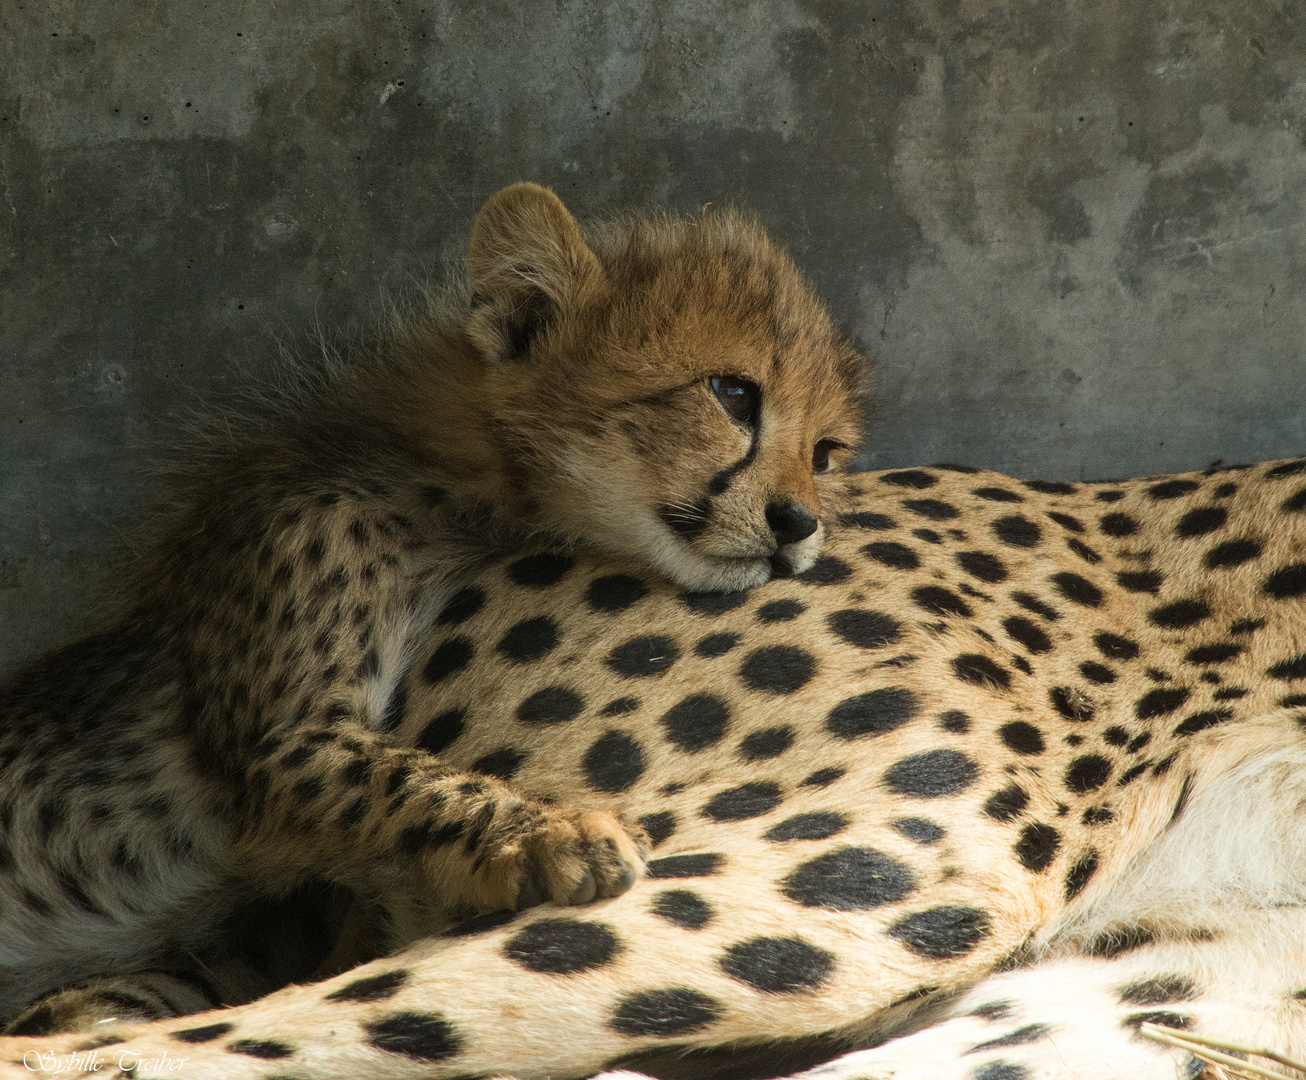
(431, 846)
(137, 998)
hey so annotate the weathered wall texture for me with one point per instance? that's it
(1072, 234)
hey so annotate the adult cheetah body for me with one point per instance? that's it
(959, 737)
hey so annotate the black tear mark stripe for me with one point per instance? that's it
(720, 483)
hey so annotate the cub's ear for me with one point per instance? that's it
(527, 263)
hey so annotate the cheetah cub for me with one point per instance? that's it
(669, 391)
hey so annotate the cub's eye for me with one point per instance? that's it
(739, 397)
(821, 455)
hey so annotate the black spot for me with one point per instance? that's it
(865, 629)
(696, 722)
(940, 601)
(415, 1035)
(1027, 1034)
(928, 535)
(683, 908)
(1160, 990)
(442, 731)
(658, 826)
(1050, 487)
(539, 571)
(933, 509)
(1289, 468)
(372, 988)
(982, 565)
(1078, 875)
(715, 645)
(1160, 702)
(1077, 589)
(893, 554)
(1109, 496)
(1294, 668)
(1216, 653)
(267, 1049)
(714, 603)
(780, 611)
(448, 659)
(749, 800)
(1115, 647)
(1115, 736)
(1097, 673)
(529, 639)
(1030, 635)
(1066, 521)
(1172, 489)
(1118, 524)
(1233, 553)
(615, 592)
(778, 669)
(502, 763)
(912, 478)
(867, 519)
(1098, 815)
(1294, 503)
(943, 932)
(1230, 693)
(613, 762)
(777, 965)
(954, 720)
(682, 866)
(931, 774)
(664, 1013)
(823, 777)
(1006, 804)
(849, 879)
(562, 946)
(1180, 614)
(204, 1034)
(552, 705)
(979, 670)
(919, 829)
(1037, 846)
(1203, 720)
(1285, 583)
(640, 657)
(461, 606)
(1087, 773)
(996, 494)
(1140, 581)
(1201, 521)
(827, 570)
(1032, 603)
(769, 743)
(1022, 737)
(873, 713)
(1017, 531)
(814, 826)
(1115, 942)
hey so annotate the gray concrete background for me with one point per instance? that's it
(1071, 233)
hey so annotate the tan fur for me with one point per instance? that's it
(1076, 693)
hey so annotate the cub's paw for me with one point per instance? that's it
(559, 855)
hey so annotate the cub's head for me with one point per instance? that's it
(669, 390)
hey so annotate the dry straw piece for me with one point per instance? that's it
(1219, 1053)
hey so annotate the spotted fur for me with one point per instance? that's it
(233, 730)
(1044, 740)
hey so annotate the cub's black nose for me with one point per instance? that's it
(790, 522)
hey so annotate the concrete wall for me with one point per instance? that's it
(1072, 234)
